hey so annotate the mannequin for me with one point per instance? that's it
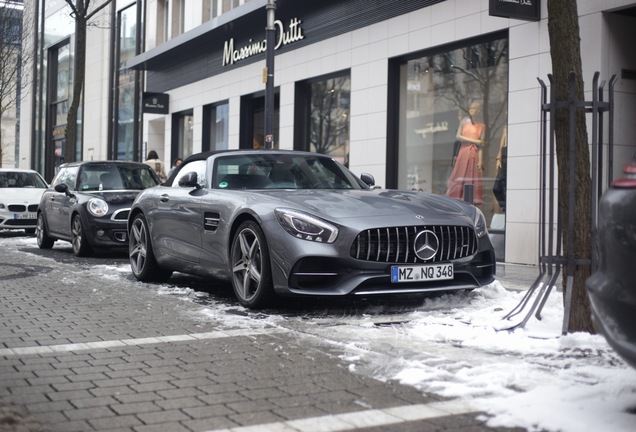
(468, 168)
(499, 188)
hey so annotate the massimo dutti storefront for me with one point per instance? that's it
(434, 95)
(355, 79)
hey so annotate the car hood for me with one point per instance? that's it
(116, 197)
(392, 204)
(20, 195)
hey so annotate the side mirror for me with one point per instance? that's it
(62, 188)
(189, 180)
(368, 179)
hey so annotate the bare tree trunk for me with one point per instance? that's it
(79, 68)
(82, 17)
(565, 51)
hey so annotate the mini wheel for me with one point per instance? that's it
(81, 248)
(42, 235)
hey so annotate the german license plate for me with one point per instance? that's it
(426, 272)
(23, 215)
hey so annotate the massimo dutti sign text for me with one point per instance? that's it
(293, 33)
(528, 10)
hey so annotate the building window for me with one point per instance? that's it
(216, 118)
(219, 7)
(60, 79)
(182, 14)
(183, 140)
(323, 117)
(126, 91)
(163, 21)
(172, 19)
(450, 118)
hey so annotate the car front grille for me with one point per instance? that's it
(19, 208)
(20, 222)
(395, 244)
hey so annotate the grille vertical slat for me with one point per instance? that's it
(395, 244)
(456, 248)
(408, 242)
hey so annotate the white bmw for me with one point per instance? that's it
(20, 193)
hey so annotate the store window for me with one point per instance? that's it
(215, 126)
(126, 91)
(451, 109)
(252, 133)
(323, 118)
(183, 140)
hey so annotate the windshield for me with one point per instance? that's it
(116, 177)
(280, 171)
(17, 179)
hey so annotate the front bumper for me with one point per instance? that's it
(106, 233)
(17, 220)
(301, 267)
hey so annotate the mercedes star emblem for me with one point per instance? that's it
(425, 245)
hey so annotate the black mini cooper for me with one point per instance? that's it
(88, 204)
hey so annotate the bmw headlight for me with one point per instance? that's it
(97, 207)
(480, 223)
(305, 226)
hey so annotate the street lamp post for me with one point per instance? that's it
(270, 33)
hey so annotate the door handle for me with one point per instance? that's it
(165, 198)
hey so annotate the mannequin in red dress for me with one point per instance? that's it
(468, 168)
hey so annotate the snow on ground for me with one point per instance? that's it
(533, 378)
(539, 380)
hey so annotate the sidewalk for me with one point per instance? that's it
(80, 353)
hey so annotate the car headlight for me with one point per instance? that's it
(305, 226)
(97, 207)
(480, 223)
(1, 206)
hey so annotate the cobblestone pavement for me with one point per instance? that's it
(80, 352)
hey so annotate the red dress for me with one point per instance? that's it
(465, 170)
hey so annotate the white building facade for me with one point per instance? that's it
(382, 86)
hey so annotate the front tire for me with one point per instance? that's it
(251, 268)
(42, 235)
(81, 248)
(143, 264)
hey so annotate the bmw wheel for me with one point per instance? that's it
(81, 248)
(42, 235)
(142, 259)
(251, 269)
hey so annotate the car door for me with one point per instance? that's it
(57, 204)
(178, 222)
